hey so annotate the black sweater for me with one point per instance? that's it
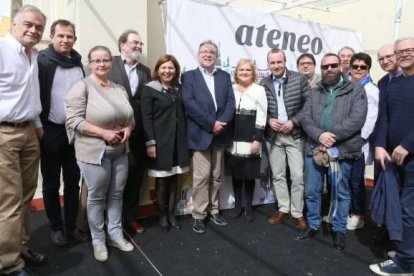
(396, 116)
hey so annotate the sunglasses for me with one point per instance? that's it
(332, 65)
(356, 67)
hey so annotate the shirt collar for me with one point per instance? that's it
(17, 45)
(397, 74)
(338, 84)
(204, 70)
(125, 62)
(282, 79)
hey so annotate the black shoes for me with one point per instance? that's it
(165, 226)
(338, 240)
(236, 212)
(218, 219)
(308, 234)
(173, 222)
(79, 236)
(33, 258)
(199, 226)
(58, 238)
(248, 214)
(21, 272)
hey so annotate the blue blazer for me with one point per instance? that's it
(201, 113)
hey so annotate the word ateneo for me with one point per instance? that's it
(277, 39)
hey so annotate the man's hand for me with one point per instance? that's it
(327, 139)
(39, 132)
(380, 155)
(287, 127)
(218, 127)
(275, 124)
(399, 154)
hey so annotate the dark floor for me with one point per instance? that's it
(241, 248)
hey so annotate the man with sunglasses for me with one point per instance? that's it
(394, 142)
(332, 118)
(360, 66)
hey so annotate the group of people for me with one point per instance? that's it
(117, 123)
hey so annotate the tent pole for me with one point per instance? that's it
(397, 22)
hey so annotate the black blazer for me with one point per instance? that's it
(119, 76)
(165, 127)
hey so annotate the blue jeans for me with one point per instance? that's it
(405, 251)
(314, 177)
(357, 186)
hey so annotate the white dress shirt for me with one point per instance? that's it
(19, 83)
(209, 79)
(132, 74)
(281, 108)
(372, 114)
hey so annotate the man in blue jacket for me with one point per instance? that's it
(395, 141)
(209, 102)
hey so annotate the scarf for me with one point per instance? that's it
(335, 176)
(65, 62)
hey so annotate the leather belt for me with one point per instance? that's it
(22, 124)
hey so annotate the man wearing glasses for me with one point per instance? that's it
(132, 74)
(333, 116)
(360, 66)
(394, 141)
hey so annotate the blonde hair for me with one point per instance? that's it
(252, 66)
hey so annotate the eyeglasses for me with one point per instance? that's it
(308, 63)
(137, 43)
(332, 65)
(99, 61)
(382, 59)
(205, 52)
(356, 67)
(407, 51)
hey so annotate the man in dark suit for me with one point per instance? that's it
(209, 102)
(130, 73)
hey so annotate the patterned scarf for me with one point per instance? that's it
(335, 176)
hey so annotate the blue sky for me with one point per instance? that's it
(5, 7)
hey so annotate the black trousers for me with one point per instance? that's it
(56, 156)
(136, 169)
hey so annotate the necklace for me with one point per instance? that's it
(101, 83)
(104, 84)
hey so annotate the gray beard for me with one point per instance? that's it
(135, 56)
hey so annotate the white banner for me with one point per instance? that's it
(241, 33)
